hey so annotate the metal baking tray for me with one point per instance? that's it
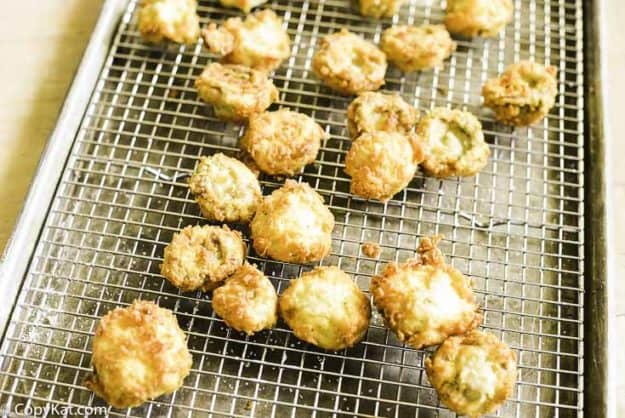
(109, 194)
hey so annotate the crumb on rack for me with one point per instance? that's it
(371, 249)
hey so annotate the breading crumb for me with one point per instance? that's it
(371, 249)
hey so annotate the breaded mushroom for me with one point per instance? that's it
(523, 94)
(372, 112)
(247, 301)
(174, 20)
(381, 164)
(282, 142)
(293, 225)
(415, 48)
(349, 64)
(139, 353)
(260, 41)
(454, 143)
(244, 5)
(379, 8)
(236, 92)
(326, 308)
(478, 17)
(424, 300)
(202, 257)
(225, 188)
(473, 373)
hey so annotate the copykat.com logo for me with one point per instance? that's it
(51, 409)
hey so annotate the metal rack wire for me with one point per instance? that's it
(517, 228)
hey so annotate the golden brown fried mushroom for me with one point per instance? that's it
(414, 48)
(293, 225)
(381, 164)
(472, 373)
(454, 143)
(379, 8)
(478, 17)
(282, 142)
(236, 92)
(326, 308)
(247, 301)
(225, 189)
(373, 112)
(202, 257)
(175, 20)
(259, 41)
(523, 94)
(244, 5)
(349, 64)
(424, 300)
(139, 353)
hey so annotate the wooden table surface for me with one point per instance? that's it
(41, 43)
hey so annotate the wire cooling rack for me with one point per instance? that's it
(517, 228)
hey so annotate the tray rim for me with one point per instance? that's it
(19, 249)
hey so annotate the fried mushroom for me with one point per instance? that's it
(379, 8)
(282, 142)
(174, 20)
(225, 189)
(381, 164)
(349, 64)
(523, 94)
(424, 300)
(478, 17)
(259, 41)
(236, 92)
(247, 301)
(473, 374)
(415, 48)
(202, 257)
(454, 143)
(293, 225)
(373, 112)
(139, 353)
(324, 307)
(244, 5)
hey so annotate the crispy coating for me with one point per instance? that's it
(282, 142)
(259, 41)
(373, 112)
(244, 5)
(414, 48)
(139, 353)
(381, 164)
(478, 17)
(174, 20)
(379, 8)
(247, 301)
(523, 94)
(293, 225)
(202, 257)
(425, 300)
(349, 64)
(454, 143)
(473, 373)
(235, 92)
(225, 189)
(326, 308)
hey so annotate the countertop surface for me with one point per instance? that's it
(43, 59)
